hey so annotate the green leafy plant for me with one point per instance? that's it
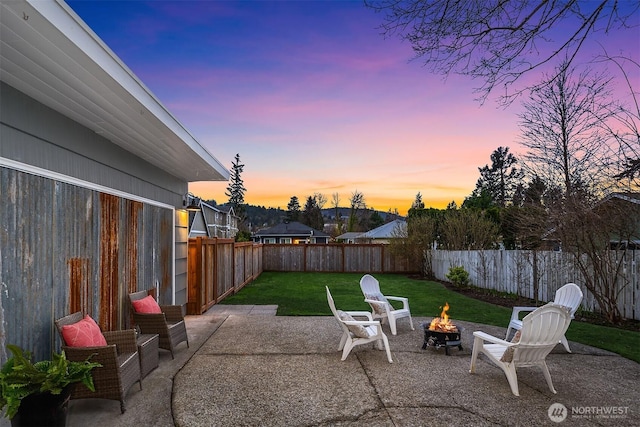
(458, 276)
(20, 377)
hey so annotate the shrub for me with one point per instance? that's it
(458, 276)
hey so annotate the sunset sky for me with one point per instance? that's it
(312, 97)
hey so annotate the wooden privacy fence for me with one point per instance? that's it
(218, 268)
(335, 258)
(513, 272)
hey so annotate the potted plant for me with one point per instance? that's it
(25, 384)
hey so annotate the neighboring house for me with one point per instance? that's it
(630, 203)
(626, 205)
(231, 221)
(384, 233)
(213, 221)
(292, 233)
(348, 237)
(94, 175)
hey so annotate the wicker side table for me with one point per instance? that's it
(148, 352)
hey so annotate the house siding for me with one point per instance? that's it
(36, 135)
(83, 224)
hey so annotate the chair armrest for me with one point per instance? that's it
(105, 355)
(405, 301)
(125, 341)
(361, 322)
(515, 313)
(173, 313)
(155, 323)
(479, 335)
(360, 314)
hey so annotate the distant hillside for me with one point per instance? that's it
(260, 216)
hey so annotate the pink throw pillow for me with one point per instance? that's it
(146, 305)
(85, 333)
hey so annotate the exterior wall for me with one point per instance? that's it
(83, 223)
(33, 134)
(65, 248)
(182, 252)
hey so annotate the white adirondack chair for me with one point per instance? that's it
(380, 306)
(540, 333)
(569, 296)
(358, 332)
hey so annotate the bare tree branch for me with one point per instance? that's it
(561, 128)
(497, 41)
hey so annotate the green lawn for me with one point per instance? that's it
(303, 294)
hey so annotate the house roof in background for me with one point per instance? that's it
(385, 231)
(291, 229)
(50, 54)
(629, 197)
(349, 235)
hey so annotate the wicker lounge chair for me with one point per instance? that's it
(169, 324)
(119, 359)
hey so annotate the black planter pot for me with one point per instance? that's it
(43, 409)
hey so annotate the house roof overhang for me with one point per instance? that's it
(50, 54)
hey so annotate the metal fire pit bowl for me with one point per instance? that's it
(439, 339)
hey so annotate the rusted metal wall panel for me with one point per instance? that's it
(27, 289)
(76, 239)
(109, 260)
(65, 248)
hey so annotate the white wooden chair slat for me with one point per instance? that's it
(349, 340)
(540, 333)
(370, 286)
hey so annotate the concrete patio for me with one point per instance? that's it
(247, 367)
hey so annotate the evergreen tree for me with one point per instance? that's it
(375, 220)
(501, 179)
(235, 192)
(293, 209)
(418, 203)
(235, 189)
(312, 215)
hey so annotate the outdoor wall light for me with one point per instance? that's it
(191, 202)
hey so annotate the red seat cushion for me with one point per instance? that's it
(85, 333)
(146, 305)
